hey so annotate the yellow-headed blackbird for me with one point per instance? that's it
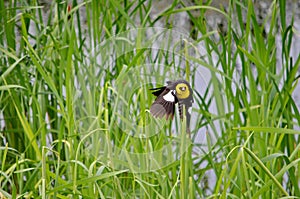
(178, 91)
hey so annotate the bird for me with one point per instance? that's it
(178, 91)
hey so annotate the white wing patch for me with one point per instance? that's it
(169, 97)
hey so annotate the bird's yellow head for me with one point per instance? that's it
(182, 91)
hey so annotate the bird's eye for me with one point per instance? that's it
(182, 88)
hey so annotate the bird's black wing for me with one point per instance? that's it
(157, 91)
(161, 107)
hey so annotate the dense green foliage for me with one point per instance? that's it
(75, 99)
